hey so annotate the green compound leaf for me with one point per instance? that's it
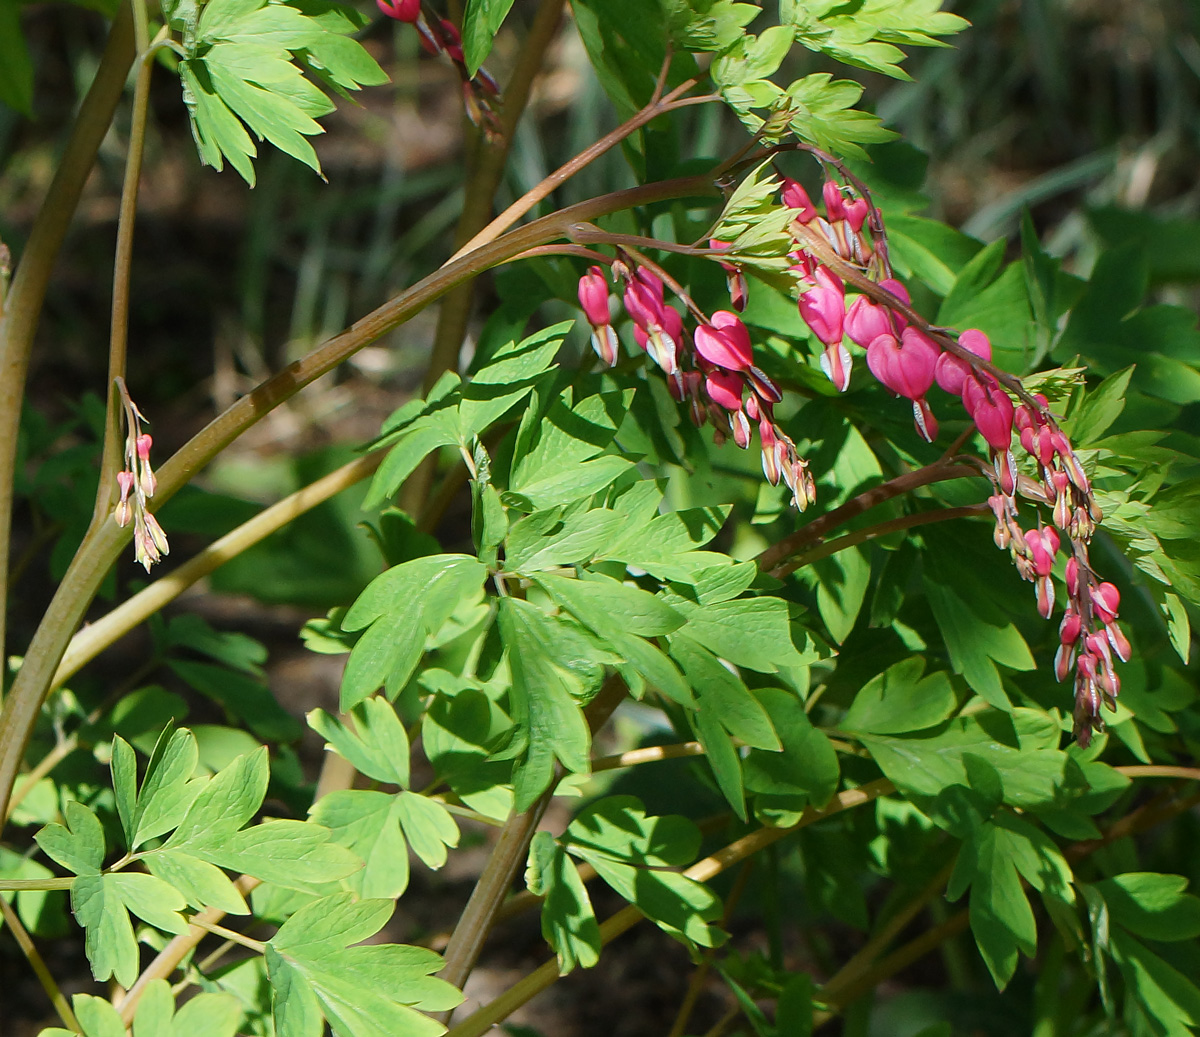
(1166, 995)
(545, 700)
(627, 848)
(205, 1015)
(102, 903)
(368, 824)
(723, 694)
(375, 991)
(377, 744)
(293, 854)
(399, 610)
(79, 846)
(993, 860)
(245, 68)
(901, 700)
(568, 921)
(1152, 906)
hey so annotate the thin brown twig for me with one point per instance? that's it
(38, 964)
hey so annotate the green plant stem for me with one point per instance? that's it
(860, 536)
(9, 885)
(219, 930)
(545, 975)
(103, 542)
(512, 846)
(816, 530)
(648, 754)
(106, 631)
(38, 965)
(118, 338)
(23, 303)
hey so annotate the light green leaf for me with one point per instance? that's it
(79, 846)
(568, 921)
(545, 704)
(97, 1016)
(203, 884)
(428, 827)
(481, 21)
(900, 700)
(368, 824)
(723, 694)
(1153, 906)
(167, 790)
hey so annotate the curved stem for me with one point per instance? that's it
(23, 302)
(104, 540)
(36, 962)
(649, 754)
(118, 338)
(859, 536)
(901, 484)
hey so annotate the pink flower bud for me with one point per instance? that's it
(1072, 576)
(144, 442)
(725, 342)
(1044, 589)
(766, 389)
(1064, 659)
(1069, 628)
(795, 197)
(1106, 600)
(856, 213)
(953, 372)
(401, 10)
(834, 206)
(771, 452)
(824, 307)
(992, 411)
(453, 40)
(867, 320)
(923, 419)
(741, 429)
(593, 296)
(644, 300)
(1119, 642)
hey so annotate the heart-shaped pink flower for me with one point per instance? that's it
(724, 388)
(795, 197)
(725, 342)
(905, 367)
(824, 307)
(991, 410)
(952, 372)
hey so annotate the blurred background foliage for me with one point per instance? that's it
(1085, 113)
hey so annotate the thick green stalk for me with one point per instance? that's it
(23, 305)
(105, 540)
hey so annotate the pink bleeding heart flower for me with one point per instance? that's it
(593, 296)
(725, 342)
(953, 372)
(834, 206)
(724, 388)
(606, 344)
(867, 320)
(823, 308)
(836, 363)
(644, 300)
(1043, 546)
(1106, 600)
(1072, 576)
(991, 410)
(897, 289)
(906, 367)
(856, 210)
(453, 40)
(1118, 640)
(795, 197)
(401, 10)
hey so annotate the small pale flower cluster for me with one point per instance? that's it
(711, 369)
(441, 36)
(136, 484)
